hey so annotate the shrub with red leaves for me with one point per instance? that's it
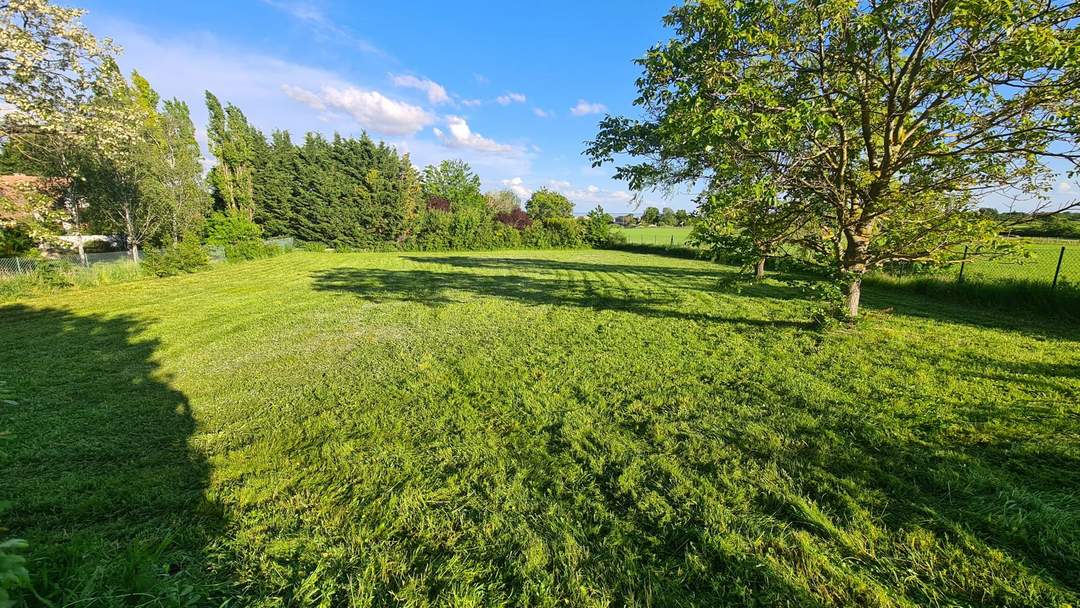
(438, 203)
(515, 219)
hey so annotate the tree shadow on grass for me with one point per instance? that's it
(649, 291)
(99, 475)
(987, 494)
(1030, 309)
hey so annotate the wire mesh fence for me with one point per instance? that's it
(1053, 263)
(25, 265)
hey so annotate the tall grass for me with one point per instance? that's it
(1003, 294)
(13, 287)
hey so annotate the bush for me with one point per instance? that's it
(231, 228)
(250, 250)
(185, 257)
(16, 241)
(515, 218)
(599, 230)
(318, 247)
(554, 232)
(55, 274)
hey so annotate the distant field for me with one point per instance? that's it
(533, 428)
(657, 235)
(1038, 266)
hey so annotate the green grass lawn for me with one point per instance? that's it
(579, 428)
(657, 235)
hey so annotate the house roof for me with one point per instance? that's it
(16, 201)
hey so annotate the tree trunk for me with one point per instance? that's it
(76, 218)
(135, 251)
(851, 296)
(854, 266)
(759, 269)
(82, 251)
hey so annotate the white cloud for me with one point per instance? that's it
(481, 79)
(436, 93)
(1065, 187)
(461, 136)
(542, 113)
(509, 98)
(592, 195)
(322, 24)
(371, 109)
(472, 103)
(584, 108)
(304, 96)
(517, 186)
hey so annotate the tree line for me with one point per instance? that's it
(130, 165)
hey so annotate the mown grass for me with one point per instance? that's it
(584, 428)
(657, 235)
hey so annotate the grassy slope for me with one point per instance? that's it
(526, 428)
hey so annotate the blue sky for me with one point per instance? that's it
(513, 88)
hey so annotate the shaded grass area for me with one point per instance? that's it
(535, 428)
(1008, 297)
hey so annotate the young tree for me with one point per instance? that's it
(545, 204)
(651, 216)
(455, 181)
(881, 122)
(599, 227)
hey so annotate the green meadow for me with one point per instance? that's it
(533, 428)
(656, 235)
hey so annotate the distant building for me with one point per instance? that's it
(27, 197)
(626, 220)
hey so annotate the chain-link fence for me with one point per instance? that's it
(13, 266)
(1047, 262)
(25, 265)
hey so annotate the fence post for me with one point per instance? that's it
(672, 241)
(1057, 272)
(18, 266)
(963, 262)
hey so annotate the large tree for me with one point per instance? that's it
(880, 123)
(123, 170)
(237, 146)
(186, 200)
(49, 63)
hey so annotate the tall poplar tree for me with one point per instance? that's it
(186, 200)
